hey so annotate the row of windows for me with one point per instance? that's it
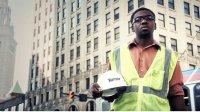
(170, 3)
(38, 41)
(88, 66)
(172, 22)
(187, 9)
(174, 45)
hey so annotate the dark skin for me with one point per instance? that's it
(144, 36)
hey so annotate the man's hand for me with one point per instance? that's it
(95, 90)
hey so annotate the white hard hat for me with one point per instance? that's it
(109, 81)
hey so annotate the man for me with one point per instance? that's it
(152, 72)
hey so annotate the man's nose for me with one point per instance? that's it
(144, 21)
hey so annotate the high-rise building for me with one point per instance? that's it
(83, 34)
(7, 49)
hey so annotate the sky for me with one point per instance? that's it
(22, 20)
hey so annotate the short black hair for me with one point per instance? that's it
(139, 9)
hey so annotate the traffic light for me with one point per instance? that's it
(71, 95)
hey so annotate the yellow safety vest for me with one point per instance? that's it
(149, 92)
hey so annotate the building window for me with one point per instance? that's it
(77, 87)
(161, 20)
(88, 12)
(57, 61)
(108, 37)
(62, 58)
(187, 8)
(64, 28)
(64, 13)
(49, 50)
(197, 29)
(129, 27)
(107, 3)
(160, 2)
(88, 64)
(188, 28)
(55, 93)
(88, 29)
(171, 4)
(88, 46)
(62, 75)
(198, 50)
(36, 85)
(63, 43)
(72, 38)
(107, 56)
(196, 11)
(130, 5)
(41, 98)
(71, 71)
(77, 69)
(78, 35)
(64, 2)
(58, 16)
(34, 100)
(96, 7)
(58, 31)
(174, 44)
(191, 66)
(58, 3)
(73, 7)
(172, 22)
(96, 61)
(48, 65)
(140, 3)
(117, 33)
(72, 22)
(71, 54)
(116, 14)
(56, 77)
(79, 3)
(87, 83)
(95, 78)
(78, 18)
(47, 96)
(96, 43)
(78, 52)
(61, 91)
(108, 20)
(162, 40)
(70, 87)
(43, 82)
(96, 25)
(190, 49)
(51, 7)
(57, 46)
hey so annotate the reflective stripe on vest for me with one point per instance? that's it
(148, 90)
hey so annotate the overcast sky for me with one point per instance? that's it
(22, 20)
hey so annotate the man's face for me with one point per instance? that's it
(143, 23)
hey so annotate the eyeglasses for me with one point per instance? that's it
(141, 18)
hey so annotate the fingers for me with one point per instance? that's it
(95, 90)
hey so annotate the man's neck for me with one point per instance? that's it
(144, 41)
